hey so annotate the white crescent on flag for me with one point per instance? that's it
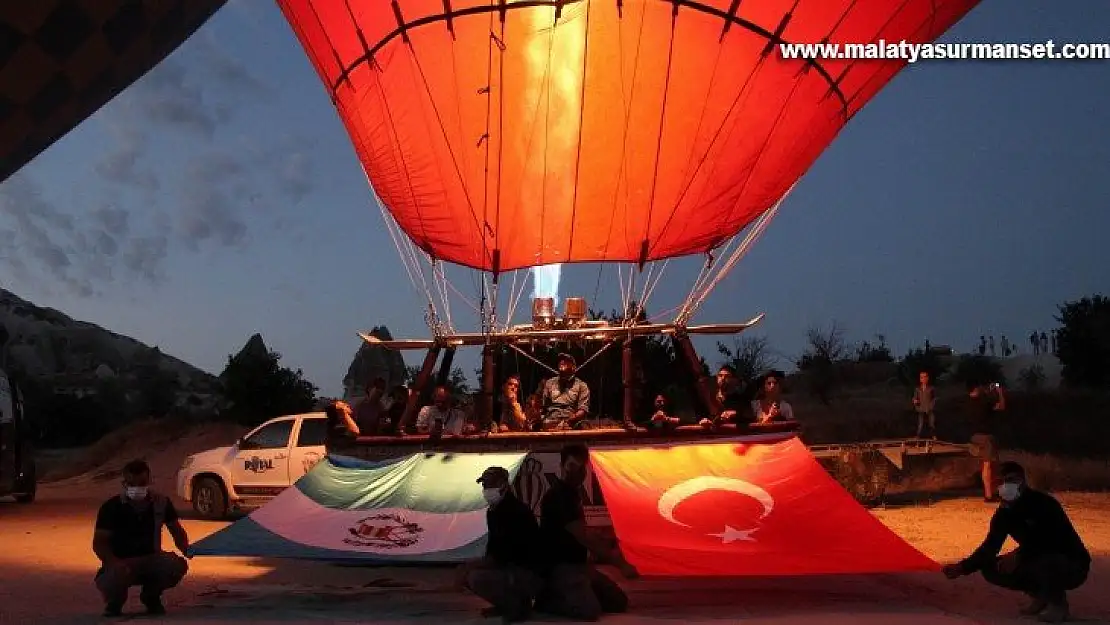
(682, 491)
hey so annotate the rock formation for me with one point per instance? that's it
(48, 345)
(373, 361)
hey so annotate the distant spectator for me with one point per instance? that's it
(985, 401)
(924, 404)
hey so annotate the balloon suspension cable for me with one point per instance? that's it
(422, 269)
(532, 358)
(407, 252)
(515, 294)
(708, 279)
(631, 306)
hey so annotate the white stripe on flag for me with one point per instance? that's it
(386, 531)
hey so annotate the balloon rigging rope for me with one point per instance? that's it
(757, 230)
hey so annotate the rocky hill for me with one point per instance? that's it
(51, 347)
(370, 362)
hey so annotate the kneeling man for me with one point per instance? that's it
(509, 575)
(1050, 559)
(128, 541)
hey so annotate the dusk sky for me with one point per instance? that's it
(219, 196)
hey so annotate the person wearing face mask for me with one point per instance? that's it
(508, 577)
(574, 588)
(1050, 559)
(128, 542)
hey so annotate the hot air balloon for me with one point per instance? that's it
(61, 60)
(512, 134)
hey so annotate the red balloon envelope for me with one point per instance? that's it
(504, 134)
(727, 509)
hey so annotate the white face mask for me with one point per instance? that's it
(1009, 491)
(136, 492)
(492, 495)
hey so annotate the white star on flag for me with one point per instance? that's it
(731, 534)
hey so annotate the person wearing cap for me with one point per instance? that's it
(509, 576)
(565, 397)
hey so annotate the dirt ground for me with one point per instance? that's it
(46, 570)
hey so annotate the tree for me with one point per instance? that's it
(750, 356)
(1083, 342)
(917, 360)
(259, 388)
(457, 383)
(874, 352)
(825, 349)
(976, 369)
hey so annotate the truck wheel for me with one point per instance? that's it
(209, 499)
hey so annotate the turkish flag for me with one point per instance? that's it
(724, 509)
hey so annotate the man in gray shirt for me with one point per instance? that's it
(924, 400)
(565, 398)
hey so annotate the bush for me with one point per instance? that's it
(1031, 378)
(976, 369)
(917, 360)
(1083, 342)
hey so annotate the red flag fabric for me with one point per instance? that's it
(727, 509)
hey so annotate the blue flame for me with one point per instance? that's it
(545, 281)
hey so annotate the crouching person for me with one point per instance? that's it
(574, 588)
(128, 542)
(1050, 559)
(508, 576)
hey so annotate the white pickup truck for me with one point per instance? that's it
(261, 464)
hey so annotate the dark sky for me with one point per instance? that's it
(220, 196)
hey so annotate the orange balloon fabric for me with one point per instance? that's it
(742, 510)
(504, 134)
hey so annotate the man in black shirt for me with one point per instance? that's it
(575, 589)
(128, 542)
(984, 402)
(1050, 559)
(509, 575)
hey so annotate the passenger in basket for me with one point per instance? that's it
(440, 414)
(575, 589)
(770, 407)
(731, 395)
(342, 429)
(565, 397)
(128, 542)
(513, 418)
(509, 576)
(368, 412)
(1050, 559)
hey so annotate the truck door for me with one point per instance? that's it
(261, 465)
(309, 447)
